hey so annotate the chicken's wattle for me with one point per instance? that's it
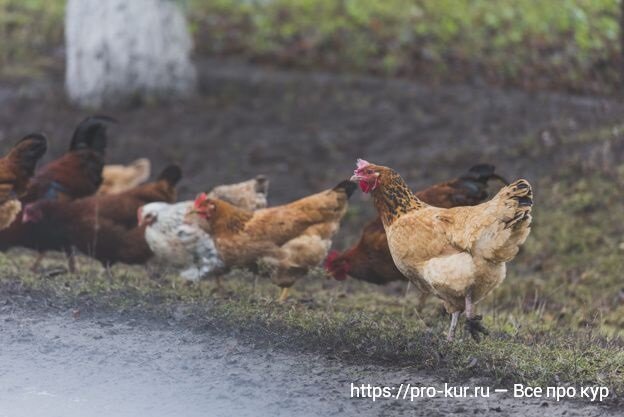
(367, 187)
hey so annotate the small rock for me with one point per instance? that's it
(473, 362)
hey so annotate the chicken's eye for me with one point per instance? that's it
(369, 172)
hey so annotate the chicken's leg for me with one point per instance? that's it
(218, 285)
(469, 309)
(454, 320)
(422, 299)
(35, 266)
(283, 294)
(473, 322)
(71, 261)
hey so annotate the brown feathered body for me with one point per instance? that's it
(77, 224)
(76, 174)
(458, 251)
(288, 239)
(122, 208)
(104, 227)
(370, 259)
(16, 169)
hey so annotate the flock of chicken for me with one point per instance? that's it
(447, 239)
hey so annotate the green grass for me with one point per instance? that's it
(565, 43)
(28, 30)
(569, 44)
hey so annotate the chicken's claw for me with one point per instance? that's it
(475, 327)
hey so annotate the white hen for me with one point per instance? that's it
(187, 246)
(178, 244)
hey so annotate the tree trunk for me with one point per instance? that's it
(119, 51)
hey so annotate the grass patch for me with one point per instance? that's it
(28, 30)
(564, 44)
(571, 44)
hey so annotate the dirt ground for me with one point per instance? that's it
(55, 364)
(304, 131)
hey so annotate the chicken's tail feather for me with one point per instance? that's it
(29, 150)
(522, 193)
(347, 186)
(172, 174)
(516, 202)
(91, 134)
(483, 173)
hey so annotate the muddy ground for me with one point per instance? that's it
(54, 363)
(303, 130)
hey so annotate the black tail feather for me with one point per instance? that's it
(29, 150)
(348, 187)
(172, 174)
(483, 173)
(91, 134)
(525, 201)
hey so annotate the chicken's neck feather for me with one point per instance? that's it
(229, 219)
(394, 198)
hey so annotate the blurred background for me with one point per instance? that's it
(298, 89)
(572, 45)
(262, 85)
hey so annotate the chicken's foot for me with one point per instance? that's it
(476, 328)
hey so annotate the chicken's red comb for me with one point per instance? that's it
(200, 199)
(361, 163)
(331, 257)
(331, 268)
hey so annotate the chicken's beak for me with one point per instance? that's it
(356, 178)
